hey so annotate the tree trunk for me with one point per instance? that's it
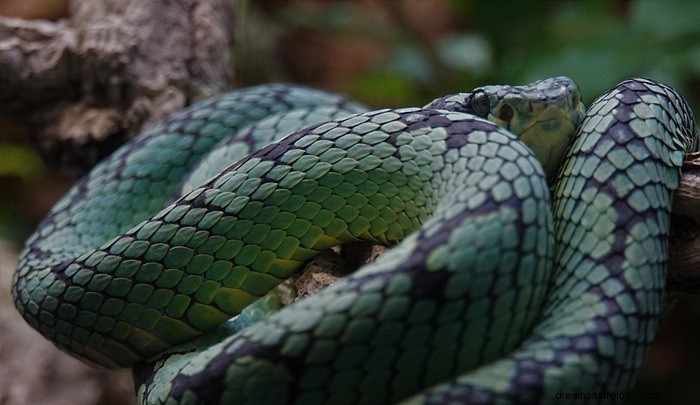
(87, 83)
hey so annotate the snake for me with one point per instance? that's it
(528, 236)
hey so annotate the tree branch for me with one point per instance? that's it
(88, 83)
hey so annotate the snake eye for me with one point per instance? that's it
(506, 113)
(480, 104)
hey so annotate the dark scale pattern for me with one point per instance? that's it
(258, 134)
(133, 184)
(611, 210)
(335, 347)
(446, 316)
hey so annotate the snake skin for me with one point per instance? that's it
(612, 207)
(486, 296)
(60, 287)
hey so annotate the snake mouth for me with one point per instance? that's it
(549, 124)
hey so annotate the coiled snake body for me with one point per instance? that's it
(490, 294)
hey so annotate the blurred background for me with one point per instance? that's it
(390, 53)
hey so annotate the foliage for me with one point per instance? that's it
(596, 43)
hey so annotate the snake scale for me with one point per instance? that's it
(490, 293)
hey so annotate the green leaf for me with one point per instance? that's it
(20, 161)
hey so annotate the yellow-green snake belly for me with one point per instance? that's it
(490, 294)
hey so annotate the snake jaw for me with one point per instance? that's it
(551, 133)
(548, 140)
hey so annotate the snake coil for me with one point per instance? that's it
(490, 294)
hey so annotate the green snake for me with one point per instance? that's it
(490, 293)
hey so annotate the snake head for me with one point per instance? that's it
(543, 114)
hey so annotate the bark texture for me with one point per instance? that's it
(684, 246)
(87, 83)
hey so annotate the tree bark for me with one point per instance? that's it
(684, 245)
(87, 83)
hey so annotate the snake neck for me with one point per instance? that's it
(612, 211)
